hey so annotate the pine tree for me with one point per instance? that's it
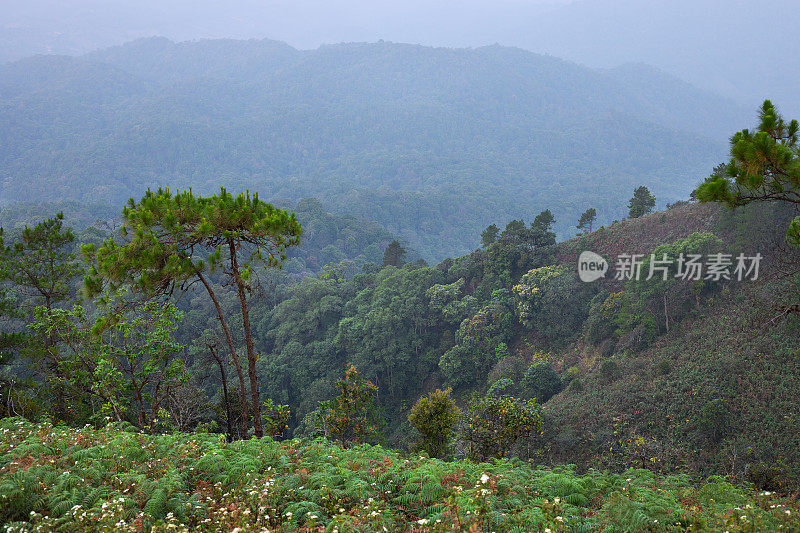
(41, 266)
(642, 202)
(167, 234)
(489, 235)
(587, 219)
(764, 166)
(394, 255)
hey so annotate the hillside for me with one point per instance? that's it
(634, 393)
(646, 404)
(432, 143)
(60, 479)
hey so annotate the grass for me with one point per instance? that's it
(112, 479)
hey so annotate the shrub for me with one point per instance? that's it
(435, 416)
(353, 416)
(609, 369)
(494, 423)
(500, 387)
(275, 418)
(541, 382)
(713, 421)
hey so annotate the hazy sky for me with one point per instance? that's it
(743, 49)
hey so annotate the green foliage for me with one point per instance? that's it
(126, 358)
(435, 417)
(641, 203)
(501, 387)
(714, 419)
(394, 255)
(493, 424)
(275, 418)
(63, 479)
(552, 302)
(541, 382)
(353, 416)
(478, 341)
(667, 289)
(587, 219)
(447, 300)
(166, 237)
(167, 232)
(764, 166)
(609, 317)
(388, 332)
(41, 264)
(489, 235)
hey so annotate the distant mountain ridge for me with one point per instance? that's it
(432, 143)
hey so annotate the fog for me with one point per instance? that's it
(741, 49)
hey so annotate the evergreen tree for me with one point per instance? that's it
(587, 219)
(642, 202)
(764, 166)
(168, 234)
(41, 263)
(544, 221)
(489, 235)
(41, 266)
(394, 255)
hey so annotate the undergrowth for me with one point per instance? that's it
(111, 479)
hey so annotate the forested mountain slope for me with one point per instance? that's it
(431, 143)
(682, 376)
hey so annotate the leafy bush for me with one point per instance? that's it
(353, 416)
(541, 382)
(435, 416)
(503, 386)
(493, 424)
(275, 418)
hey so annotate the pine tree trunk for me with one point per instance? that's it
(251, 353)
(229, 339)
(224, 379)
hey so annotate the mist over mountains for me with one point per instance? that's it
(715, 44)
(432, 143)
